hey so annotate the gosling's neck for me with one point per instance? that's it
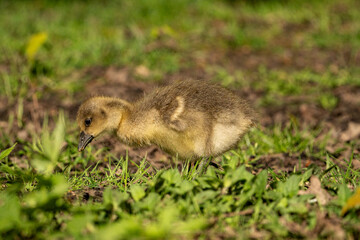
(138, 126)
(116, 110)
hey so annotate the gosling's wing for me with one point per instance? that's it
(174, 114)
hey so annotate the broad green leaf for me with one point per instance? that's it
(150, 202)
(42, 165)
(168, 215)
(297, 205)
(59, 185)
(6, 152)
(52, 143)
(37, 198)
(9, 212)
(343, 194)
(260, 183)
(172, 176)
(127, 228)
(283, 203)
(137, 192)
(290, 187)
(49, 147)
(306, 176)
(206, 195)
(184, 187)
(191, 226)
(210, 172)
(78, 224)
(113, 198)
(233, 176)
(6, 169)
(272, 195)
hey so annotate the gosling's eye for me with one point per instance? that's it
(87, 122)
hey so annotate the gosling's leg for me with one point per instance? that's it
(203, 164)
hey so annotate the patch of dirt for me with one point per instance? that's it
(309, 113)
(85, 195)
(287, 50)
(286, 162)
(117, 83)
(322, 196)
(154, 155)
(327, 226)
(317, 60)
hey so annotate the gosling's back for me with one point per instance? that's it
(192, 118)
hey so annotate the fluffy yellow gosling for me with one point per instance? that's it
(194, 119)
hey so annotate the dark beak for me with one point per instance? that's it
(85, 139)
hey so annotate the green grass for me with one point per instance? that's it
(169, 203)
(50, 191)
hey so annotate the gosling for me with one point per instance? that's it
(192, 119)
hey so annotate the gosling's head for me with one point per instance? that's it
(97, 115)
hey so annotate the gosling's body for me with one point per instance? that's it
(190, 118)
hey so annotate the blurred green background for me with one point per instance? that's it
(234, 42)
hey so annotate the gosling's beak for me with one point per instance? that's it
(85, 139)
